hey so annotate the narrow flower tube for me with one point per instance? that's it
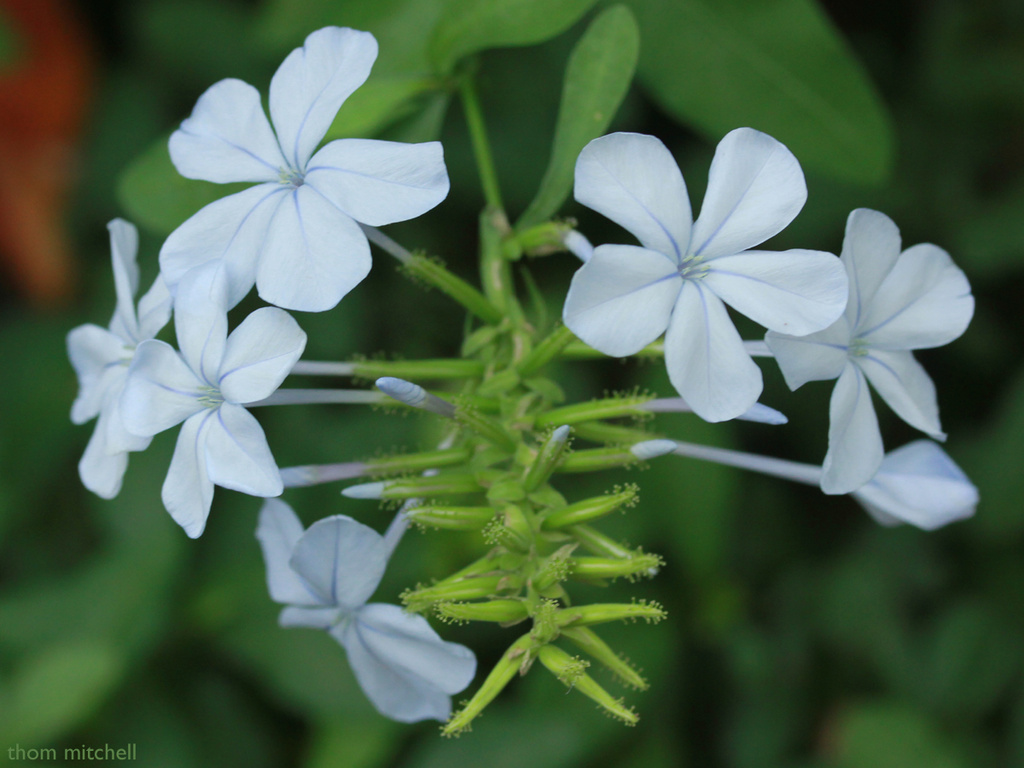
(501, 611)
(437, 276)
(590, 509)
(640, 564)
(415, 487)
(588, 641)
(473, 588)
(547, 459)
(603, 613)
(315, 474)
(569, 671)
(599, 544)
(503, 672)
(452, 518)
(320, 397)
(414, 396)
(546, 351)
(420, 461)
(604, 408)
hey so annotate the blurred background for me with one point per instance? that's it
(801, 634)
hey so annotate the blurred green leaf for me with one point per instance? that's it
(990, 242)
(470, 26)
(775, 65)
(10, 45)
(214, 38)
(354, 743)
(984, 459)
(973, 659)
(157, 197)
(889, 734)
(56, 688)
(402, 27)
(596, 81)
(380, 102)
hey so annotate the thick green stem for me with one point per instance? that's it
(481, 146)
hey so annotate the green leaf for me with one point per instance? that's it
(380, 102)
(775, 65)
(470, 26)
(596, 81)
(155, 196)
(56, 689)
(402, 27)
(888, 734)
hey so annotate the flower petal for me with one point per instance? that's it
(231, 229)
(815, 357)
(380, 182)
(755, 189)
(621, 299)
(870, 249)
(924, 302)
(160, 391)
(313, 255)
(100, 360)
(706, 360)
(124, 246)
(258, 355)
(406, 670)
(313, 82)
(341, 560)
(102, 470)
(906, 388)
(795, 292)
(278, 531)
(188, 491)
(919, 484)
(201, 319)
(154, 309)
(634, 181)
(319, 617)
(237, 454)
(854, 440)
(227, 137)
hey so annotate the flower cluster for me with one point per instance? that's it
(301, 237)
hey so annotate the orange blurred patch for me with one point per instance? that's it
(44, 91)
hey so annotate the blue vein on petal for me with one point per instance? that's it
(675, 245)
(235, 440)
(244, 366)
(231, 144)
(736, 205)
(670, 276)
(367, 176)
(305, 117)
(276, 188)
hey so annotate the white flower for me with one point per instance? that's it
(898, 302)
(220, 442)
(918, 484)
(325, 576)
(295, 235)
(625, 296)
(101, 357)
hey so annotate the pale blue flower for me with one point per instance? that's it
(101, 356)
(918, 484)
(898, 302)
(205, 387)
(325, 576)
(296, 235)
(685, 272)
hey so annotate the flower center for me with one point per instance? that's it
(210, 397)
(693, 267)
(858, 348)
(291, 178)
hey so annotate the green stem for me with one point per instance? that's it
(481, 147)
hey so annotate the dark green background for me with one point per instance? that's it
(800, 633)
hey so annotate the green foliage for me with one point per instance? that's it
(775, 65)
(599, 73)
(157, 197)
(469, 26)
